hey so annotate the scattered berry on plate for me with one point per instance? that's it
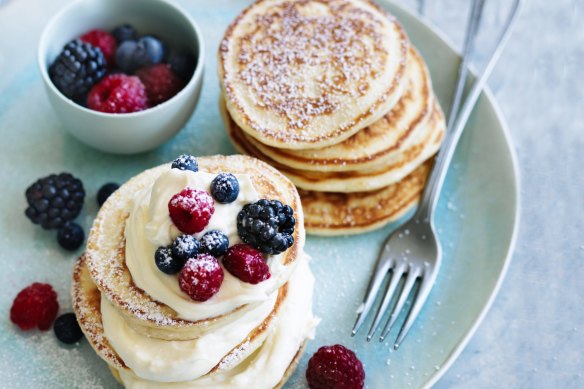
(67, 328)
(70, 236)
(225, 188)
(161, 83)
(185, 247)
(125, 32)
(191, 209)
(267, 226)
(54, 200)
(215, 243)
(183, 64)
(118, 93)
(335, 367)
(246, 263)
(105, 42)
(35, 306)
(201, 277)
(77, 68)
(165, 262)
(185, 162)
(105, 192)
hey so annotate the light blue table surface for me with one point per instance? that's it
(533, 335)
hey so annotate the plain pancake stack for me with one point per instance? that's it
(332, 93)
(150, 333)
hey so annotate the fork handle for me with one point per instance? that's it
(436, 180)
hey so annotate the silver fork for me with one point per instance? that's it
(412, 252)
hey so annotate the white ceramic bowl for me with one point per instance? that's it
(133, 132)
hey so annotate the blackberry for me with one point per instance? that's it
(215, 243)
(267, 226)
(67, 328)
(70, 236)
(54, 200)
(225, 188)
(105, 192)
(185, 247)
(185, 162)
(77, 68)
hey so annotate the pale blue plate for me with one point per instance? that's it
(477, 220)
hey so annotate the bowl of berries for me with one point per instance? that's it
(123, 77)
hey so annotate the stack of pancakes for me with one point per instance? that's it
(332, 93)
(246, 342)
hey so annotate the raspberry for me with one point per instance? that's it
(191, 210)
(201, 277)
(105, 42)
(246, 263)
(35, 306)
(118, 93)
(161, 83)
(335, 367)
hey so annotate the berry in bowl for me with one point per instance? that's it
(122, 79)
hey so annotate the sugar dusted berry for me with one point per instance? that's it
(246, 263)
(191, 209)
(215, 243)
(225, 188)
(201, 277)
(166, 262)
(35, 306)
(185, 162)
(161, 83)
(67, 328)
(185, 247)
(70, 236)
(104, 41)
(335, 367)
(118, 93)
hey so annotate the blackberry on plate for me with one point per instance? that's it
(185, 247)
(77, 68)
(185, 162)
(225, 188)
(70, 236)
(105, 192)
(54, 200)
(215, 243)
(165, 262)
(67, 328)
(267, 225)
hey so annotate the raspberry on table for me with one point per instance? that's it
(215, 243)
(67, 329)
(267, 225)
(225, 188)
(246, 263)
(161, 83)
(70, 236)
(201, 277)
(185, 162)
(54, 200)
(105, 41)
(191, 209)
(335, 367)
(77, 68)
(118, 93)
(35, 306)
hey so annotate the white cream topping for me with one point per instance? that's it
(263, 369)
(149, 226)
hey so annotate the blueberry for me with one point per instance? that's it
(125, 55)
(225, 188)
(105, 192)
(70, 236)
(183, 64)
(185, 247)
(165, 262)
(185, 162)
(125, 32)
(67, 328)
(149, 51)
(215, 243)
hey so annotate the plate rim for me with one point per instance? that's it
(491, 100)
